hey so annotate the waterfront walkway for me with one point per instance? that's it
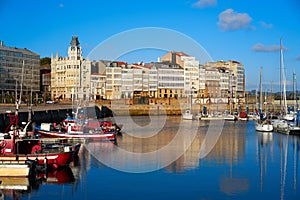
(41, 107)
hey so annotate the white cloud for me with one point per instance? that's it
(205, 3)
(230, 20)
(265, 25)
(262, 48)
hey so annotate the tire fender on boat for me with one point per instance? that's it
(35, 148)
(2, 143)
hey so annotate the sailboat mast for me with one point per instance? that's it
(280, 82)
(260, 88)
(294, 91)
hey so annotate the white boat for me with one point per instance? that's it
(289, 116)
(281, 126)
(261, 123)
(263, 126)
(187, 115)
(230, 117)
(294, 130)
(243, 118)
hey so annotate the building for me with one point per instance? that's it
(190, 68)
(19, 71)
(114, 79)
(71, 76)
(98, 82)
(170, 79)
(45, 81)
(236, 80)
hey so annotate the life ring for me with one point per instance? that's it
(2, 143)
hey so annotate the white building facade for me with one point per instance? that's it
(70, 76)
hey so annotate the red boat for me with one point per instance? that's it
(14, 149)
(243, 116)
(51, 154)
(91, 129)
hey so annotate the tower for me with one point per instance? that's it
(75, 51)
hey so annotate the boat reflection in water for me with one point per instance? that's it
(229, 147)
(17, 187)
(243, 164)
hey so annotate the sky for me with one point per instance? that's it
(247, 31)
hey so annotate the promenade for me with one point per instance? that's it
(41, 107)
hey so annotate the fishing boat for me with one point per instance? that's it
(72, 128)
(15, 149)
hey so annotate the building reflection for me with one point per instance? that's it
(229, 148)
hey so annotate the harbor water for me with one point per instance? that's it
(162, 157)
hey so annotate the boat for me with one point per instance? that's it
(281, 125)
(287, 115)
(72, 128)
(285, 123)
(15, 149)
(230, 117)
(188, 115)
(243, 116)
(227, 116)
(262, 124)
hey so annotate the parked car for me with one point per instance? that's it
(51, 102)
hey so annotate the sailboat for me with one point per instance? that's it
(282, 125)
(262, 124)
(286, 115)
(294, 127)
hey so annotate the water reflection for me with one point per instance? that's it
(279, 154)
(18, 187)
(243, 164)
(228, 148)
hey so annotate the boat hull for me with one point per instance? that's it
(230, 118)
(54, 160)
(263, 127)
(111, 136)
(187, 116)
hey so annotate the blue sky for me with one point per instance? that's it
(248, 31)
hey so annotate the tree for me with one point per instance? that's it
(45, 61)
